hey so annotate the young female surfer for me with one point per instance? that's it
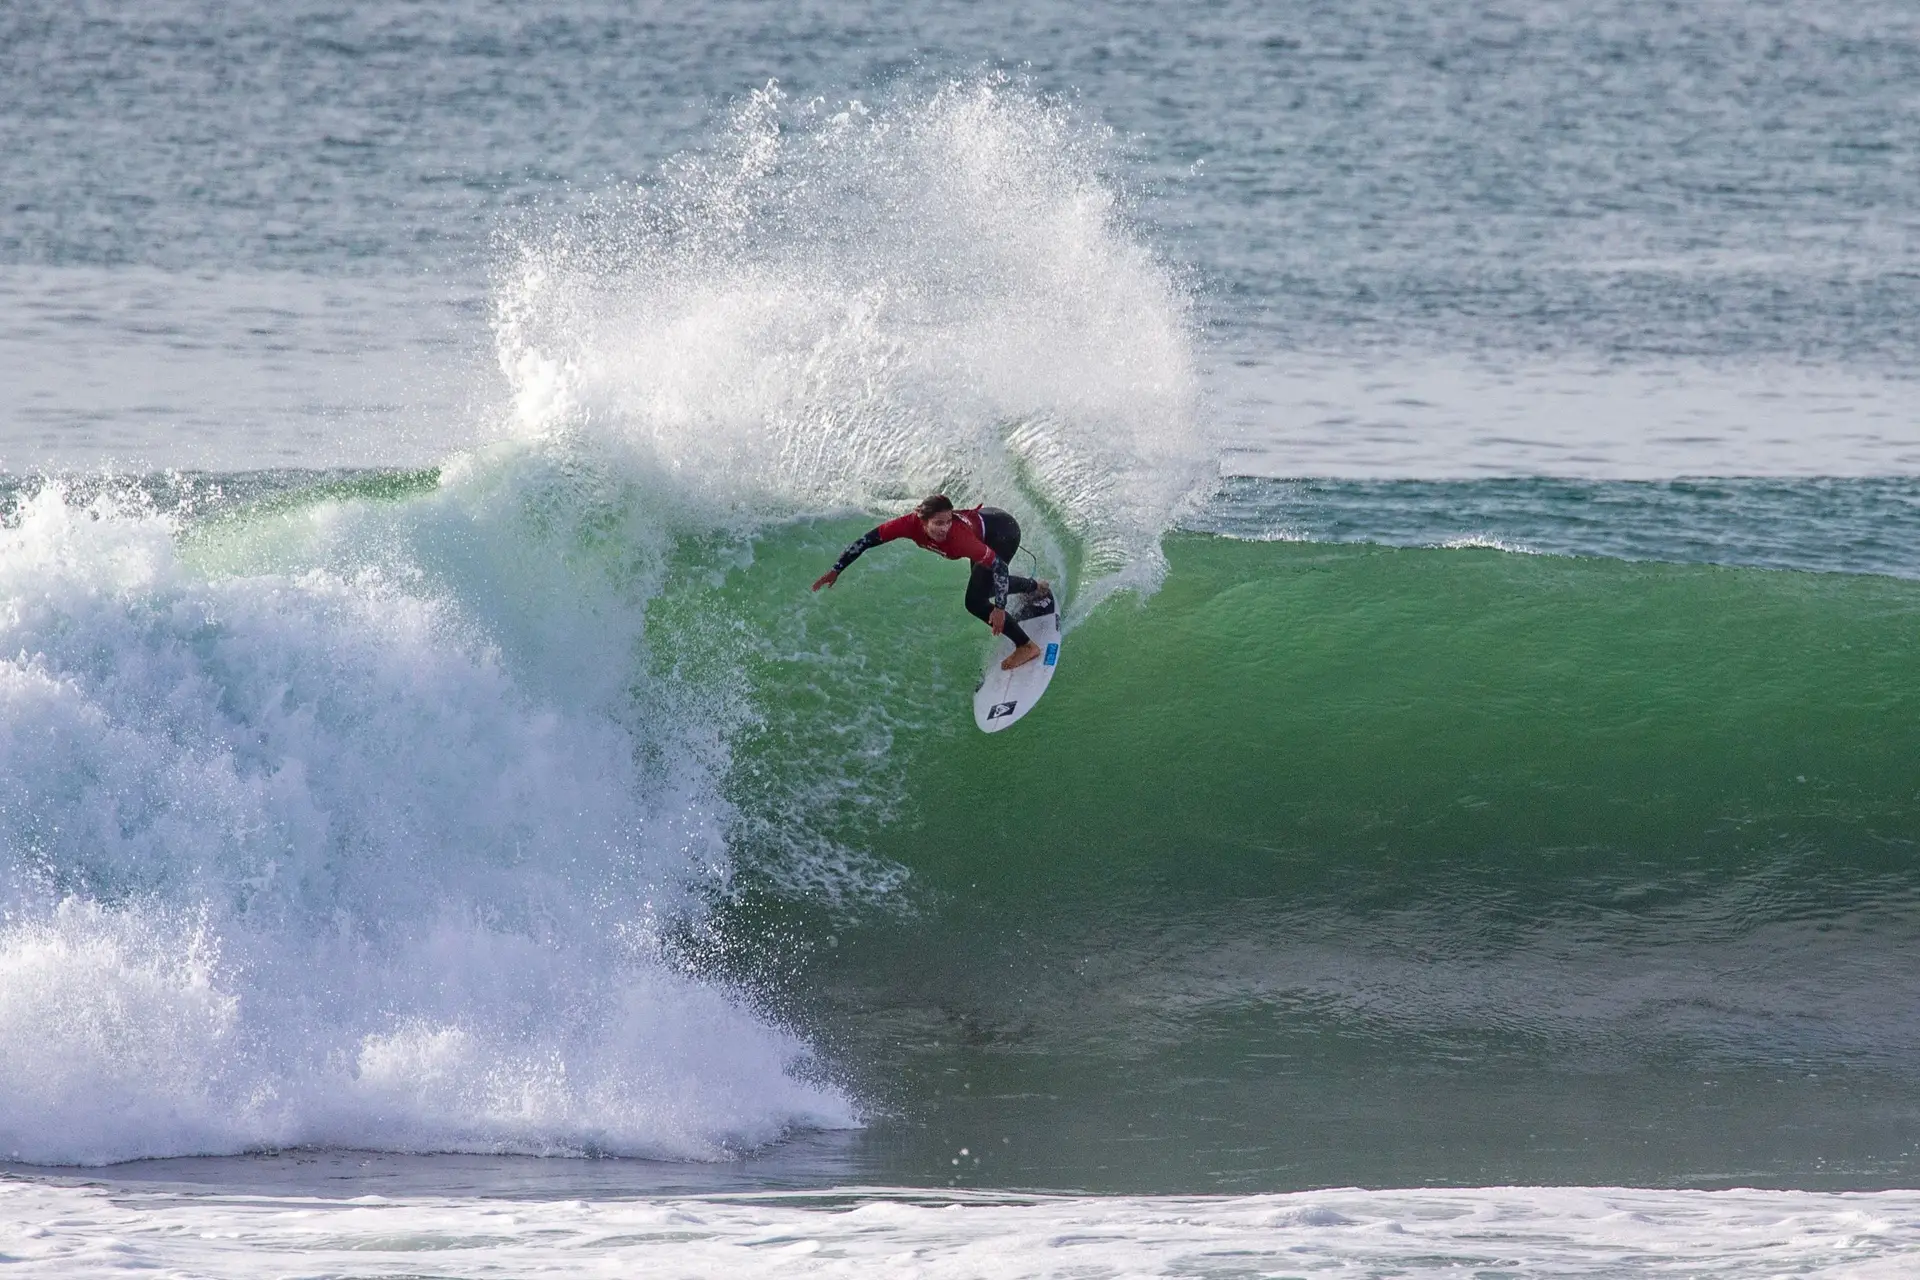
(987, 536)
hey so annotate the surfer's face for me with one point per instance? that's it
(939, 526)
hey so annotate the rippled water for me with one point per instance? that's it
(1619, 239)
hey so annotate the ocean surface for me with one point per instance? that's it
(1474, 827)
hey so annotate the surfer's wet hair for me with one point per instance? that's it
(933, 506)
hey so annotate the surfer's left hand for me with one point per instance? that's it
(826, 579)
(997, 620)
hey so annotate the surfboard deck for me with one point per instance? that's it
(1005, 696)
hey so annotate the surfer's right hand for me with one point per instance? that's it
(826, 579)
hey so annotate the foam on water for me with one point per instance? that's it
(299, 855)
(1576, 1231)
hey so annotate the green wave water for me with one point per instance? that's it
(1344, 863)
(1284, 698)
(1327, 863)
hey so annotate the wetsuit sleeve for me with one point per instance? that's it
(859, 546)
(870, 539)
(999, 583)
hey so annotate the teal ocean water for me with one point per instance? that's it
(1477, 451)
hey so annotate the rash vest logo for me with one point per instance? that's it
(1001, 709)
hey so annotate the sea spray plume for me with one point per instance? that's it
(296, 854)
(844, 306)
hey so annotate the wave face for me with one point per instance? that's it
(1367, 864)
(459, 811)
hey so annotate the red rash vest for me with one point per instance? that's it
(966, 540)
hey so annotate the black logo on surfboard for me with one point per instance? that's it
(1001, 709)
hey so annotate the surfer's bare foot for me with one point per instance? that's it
(1021, 657)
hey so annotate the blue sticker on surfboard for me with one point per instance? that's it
(1005, 696)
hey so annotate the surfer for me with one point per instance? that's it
(987, 536)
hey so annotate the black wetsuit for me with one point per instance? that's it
(1003, 535)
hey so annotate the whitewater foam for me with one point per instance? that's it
(295, 855)
(1535, 1231)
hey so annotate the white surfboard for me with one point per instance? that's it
(1004, 696)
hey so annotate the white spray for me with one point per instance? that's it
(844, 307)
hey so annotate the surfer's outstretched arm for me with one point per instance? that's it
(865, 542)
